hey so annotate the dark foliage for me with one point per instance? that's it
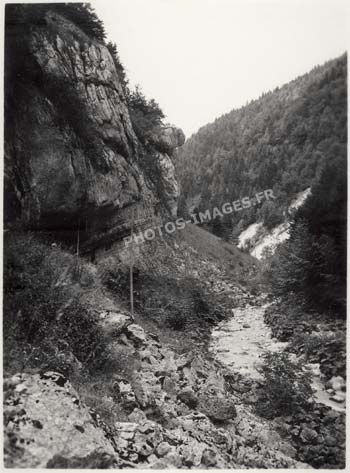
(40, 314)
(178, 304)
(81, 14)
(286, 386)
(146, 115)
(112, 48)
(292, 321)
(174, 303)
(312, 263)
(281, 141)
(84, 16)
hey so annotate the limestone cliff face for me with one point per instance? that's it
(72, 156)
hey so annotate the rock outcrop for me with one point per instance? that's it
(44, 417)
(73, 159)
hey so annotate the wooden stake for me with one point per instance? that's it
(131, 265)
(78, 238)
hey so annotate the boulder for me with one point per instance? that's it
(330, 441)
(192, 452)
(308, 436)
(337, 383)
(125, 430)
(137, 416)
(209, 457)
(115, 323)
(339, 397)
(162, 449)
(170, 385)
(173, 459)
(136, 334)
(41, 416)
(188, 397)
(217, 408)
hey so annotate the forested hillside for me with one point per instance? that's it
(312, 263)
(281, 141)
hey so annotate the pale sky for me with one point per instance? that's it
(201, 58)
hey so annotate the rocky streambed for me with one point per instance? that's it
(317, 436)
(175, 411)
(239, 343)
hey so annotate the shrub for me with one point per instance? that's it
(82, 332)
(84, 16)
(286, 386)
(146, 115)
(114, 275)
(176, 303)
(310, 344)
(327, 348)
(32, 293)
(45, 324)
(81, 14)
(176, 320)
(112, 48)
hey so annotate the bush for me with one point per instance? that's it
(114, 275)
(177, 320)
(112, 48)
(45, 324)
(32, 293)
(286, 386)
(174, 303)
(82, 332)
(326, 348)
(146, 115)
(311, 344)
(81, 14)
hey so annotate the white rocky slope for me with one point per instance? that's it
(260, 239)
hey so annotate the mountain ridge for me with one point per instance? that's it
(280, 141)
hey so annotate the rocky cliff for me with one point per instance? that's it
(72, 158)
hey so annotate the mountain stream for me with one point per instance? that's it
(240, 342)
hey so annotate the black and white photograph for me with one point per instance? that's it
(174, 289)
